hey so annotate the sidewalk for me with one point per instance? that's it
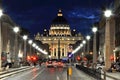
(113, 75)
(12, 69)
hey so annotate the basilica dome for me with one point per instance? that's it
(59, 20)
(60, 26)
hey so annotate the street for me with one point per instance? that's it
(43, 73)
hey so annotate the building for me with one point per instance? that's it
(102, 37)
(59, 37)
(117, 28)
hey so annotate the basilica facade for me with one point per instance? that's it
(59, 37)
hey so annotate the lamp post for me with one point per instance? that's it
(108, 48)
(84, 42)
(83, 53)
(25, 54)
(15, 56)
(34, 45)
(94, 29)
(30, 42)
(88, 38)
(0, 38)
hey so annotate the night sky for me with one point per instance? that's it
(36, 15)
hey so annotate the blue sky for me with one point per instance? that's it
(35, 15)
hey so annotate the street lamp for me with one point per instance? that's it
(16, 29)
(25, 54)
(1, 13)
(49, 56)
(94, 29)
(30, 42)
(108, 13)
(108, 46)
(15, 56)
(83, 53)
(88, 38)
(34, 45)
(84, 42)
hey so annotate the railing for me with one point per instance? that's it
(92, 72)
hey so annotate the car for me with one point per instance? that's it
(49, 63)
(55, 63)
(60, 64)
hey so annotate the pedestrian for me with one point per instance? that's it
(9, 64)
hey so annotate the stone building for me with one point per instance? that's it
(59, 37)
(117, 27)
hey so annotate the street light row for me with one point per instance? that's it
(25, 37)
(107, 14)
(94, 29)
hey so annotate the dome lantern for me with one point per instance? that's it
(60, 13)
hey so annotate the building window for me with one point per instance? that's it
(62, 52)
(55, 52)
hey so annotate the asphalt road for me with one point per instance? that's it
(43, 73)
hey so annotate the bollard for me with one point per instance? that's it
(70, 71)
(67, 74)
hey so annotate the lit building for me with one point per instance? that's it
(59, 37)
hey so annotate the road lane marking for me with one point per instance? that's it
(37, 74)
(58, 78)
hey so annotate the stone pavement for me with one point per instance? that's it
(13, 69)
(113, 75)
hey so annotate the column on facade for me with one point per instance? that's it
(94, 51)
(109, 40)
(66, 49)
(8, 46)
(52, 50)
(60, 50)
(16, 51)
(56, 51)
(53, 53)
(112, 36)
